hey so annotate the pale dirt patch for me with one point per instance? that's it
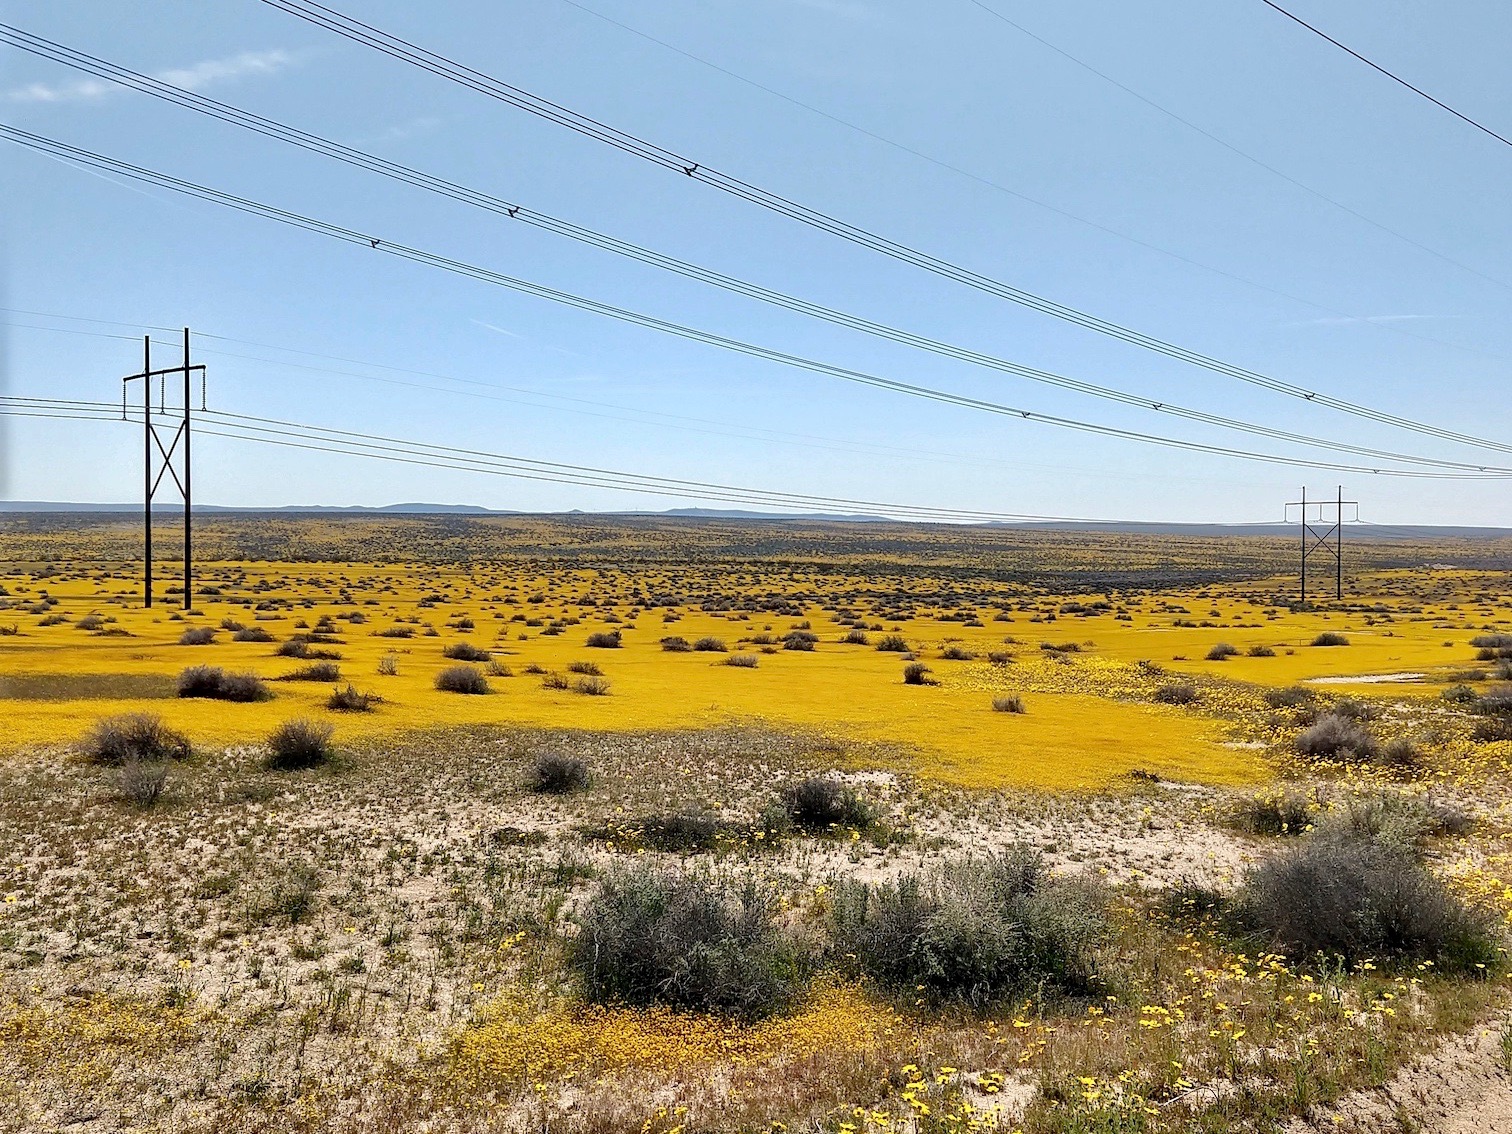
(1366, 679)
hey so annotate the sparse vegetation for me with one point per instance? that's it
(462, 679)
(299, 744)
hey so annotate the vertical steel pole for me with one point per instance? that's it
(188, 469)
(1339, 547)
(1304, 545)
(147, 468)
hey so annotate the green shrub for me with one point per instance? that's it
(462, 679)
(689, 941)
(1276, 813)
(1336, 737)
(212, 682)
(820, 804)
(134, 736)
(553, 773)
(1362, 898)
(979, 932)
(299, 744)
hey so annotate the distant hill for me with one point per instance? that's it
(1392, 533)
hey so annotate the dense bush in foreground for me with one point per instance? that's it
(821, 804)
(687, 940)
(978, 931)
(299, 744)
(1363, 898)
(134, 736)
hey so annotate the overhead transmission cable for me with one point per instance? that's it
(498, 206)
(1190, 125)
(998, 186)
(297, 435)
(1393, 76)
(43, 144)
(395, 47)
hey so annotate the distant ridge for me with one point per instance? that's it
(1390, 533)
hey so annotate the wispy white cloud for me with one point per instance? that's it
(195, 77)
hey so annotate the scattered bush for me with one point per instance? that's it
(1278, 813)
(976, 932)
(324, 672)
(348, 700)
(591, 686)
(553, 773)
(605, 640)
(197, 636)
(299, 744)
(1398, 819)
(802, 640)
(212, 682)
(555, 680)
(462, 679)
(1177, 693)
(134, 736)
(672, 644)
(710, 646)
(1011, 703)
(465, 651)
(688, 831)
(819, 804)
(1336, 737)
(917, 673)
(142, 781)
(252, 634)
(893, 644)
(689, 941)
(1361, 898)
(90, 622)
(1460, 695)
(1292, 697)
(1260, 652)
(957, 653)
(587, 668)
(742, 661)
(856, 638)
(1222, 652)
(388, 665)
(1330, 638)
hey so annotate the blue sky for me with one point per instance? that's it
(1290, 285)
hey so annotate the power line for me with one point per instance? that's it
(1395, 78)
(313, 143)
(1190, 125)
(1004, 189)
(296, 435)
(395, 47)
(47, 145)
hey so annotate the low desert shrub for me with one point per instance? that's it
(1011, 703)
(957, 653)
(349, 700)
(673, 644)
(1177, 693)
(388, 665)
(820, 803)
(324, 672)
(742, 661)
(465, 651)
(591, 686)
(1292, 697)
(556, 681)
(1336, 737)
(1362, 898)
(687, 831)
(197, 636)
(299, 744)
(605, 640)
(462, 679)
(1260, 652)
(978, 932)
(142, 781)
(689, 941)
(1397, 818)
(134, 736)
(252, 634)
(917, 673)
(1276, 813)
(856, 638)
(214, 683)
(555, 773)
(893, 644)
(710, 646)
(586, 668)
(1222, 652)
(802, 640)
(1330, 638)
